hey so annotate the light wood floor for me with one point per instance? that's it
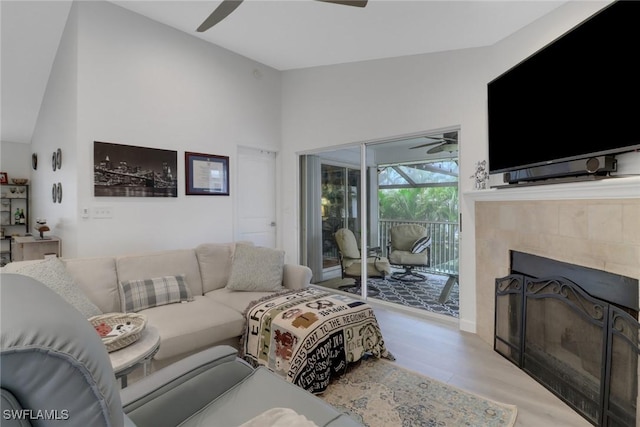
(438, 349)
(435, 347)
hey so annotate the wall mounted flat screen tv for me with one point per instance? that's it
(577, 97)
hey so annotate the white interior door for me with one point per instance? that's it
(256, 196)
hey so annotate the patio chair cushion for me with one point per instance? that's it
(347, 243)
(404, 236)
(408, 258)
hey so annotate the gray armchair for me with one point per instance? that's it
(55, 368)
(409, 246)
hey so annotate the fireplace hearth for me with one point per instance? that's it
(575, 330)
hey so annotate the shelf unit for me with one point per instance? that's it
(12, 197)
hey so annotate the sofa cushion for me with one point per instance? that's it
(54, 275)
(98, 279)
(136, 295)
(215, 264)
(192, 326)
(238, 301)
(256, 268)
(162, 263)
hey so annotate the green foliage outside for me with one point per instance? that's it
(433, 204)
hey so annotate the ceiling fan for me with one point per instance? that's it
(227, 6)
(447, 142)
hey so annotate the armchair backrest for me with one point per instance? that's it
(402, 237)
(52, 360)
(347, 243)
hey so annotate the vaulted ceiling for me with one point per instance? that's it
(282, 34)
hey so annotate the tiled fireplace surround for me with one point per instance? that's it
(602, 232)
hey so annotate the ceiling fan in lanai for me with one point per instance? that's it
(447, 142)
(227, 6)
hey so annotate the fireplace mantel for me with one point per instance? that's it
(610, 188)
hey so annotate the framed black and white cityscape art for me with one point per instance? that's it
(130, 171)
(206, 174)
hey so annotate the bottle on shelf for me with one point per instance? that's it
(16, 216)
(22, 218)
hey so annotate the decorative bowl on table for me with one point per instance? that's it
(19, 181)
(119, 330)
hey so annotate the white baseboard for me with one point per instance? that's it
(467, 326)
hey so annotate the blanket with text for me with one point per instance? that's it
(307, 336)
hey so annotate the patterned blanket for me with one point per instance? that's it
(308, 336)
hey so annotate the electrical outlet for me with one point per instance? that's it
(102, 212)
(85, 213)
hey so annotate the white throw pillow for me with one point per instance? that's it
(53, 274)
(256, 268)
(279, 417)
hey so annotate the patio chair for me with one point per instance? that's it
(409, 246)
(351, 265)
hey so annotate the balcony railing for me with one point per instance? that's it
(444, 254)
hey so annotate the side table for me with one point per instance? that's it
(27, 248)
(140, 353)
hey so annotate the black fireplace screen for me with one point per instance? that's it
(583, 349)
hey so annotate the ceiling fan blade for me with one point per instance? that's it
(447, 146)
(440, 141)
(356, 3)
(222, 11)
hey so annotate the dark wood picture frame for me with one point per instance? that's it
(206, 174)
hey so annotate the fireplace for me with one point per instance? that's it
(575, 330)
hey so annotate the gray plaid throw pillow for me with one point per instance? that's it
(136, 295)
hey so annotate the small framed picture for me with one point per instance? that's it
(207, 174)
(4, 178)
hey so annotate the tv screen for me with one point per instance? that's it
(577, 97)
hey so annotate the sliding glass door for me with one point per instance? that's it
(370, 188)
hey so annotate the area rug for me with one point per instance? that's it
(379, 393)
(423, 295)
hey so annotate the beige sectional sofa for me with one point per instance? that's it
(212, 317)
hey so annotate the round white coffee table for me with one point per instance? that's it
(140, 353)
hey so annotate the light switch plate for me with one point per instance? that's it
(102, 212)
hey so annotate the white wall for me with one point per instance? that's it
(56, 127)
(137, 82)
(9, 153)
(373, 100)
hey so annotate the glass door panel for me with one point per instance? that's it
(332, 208)
(339, 208)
